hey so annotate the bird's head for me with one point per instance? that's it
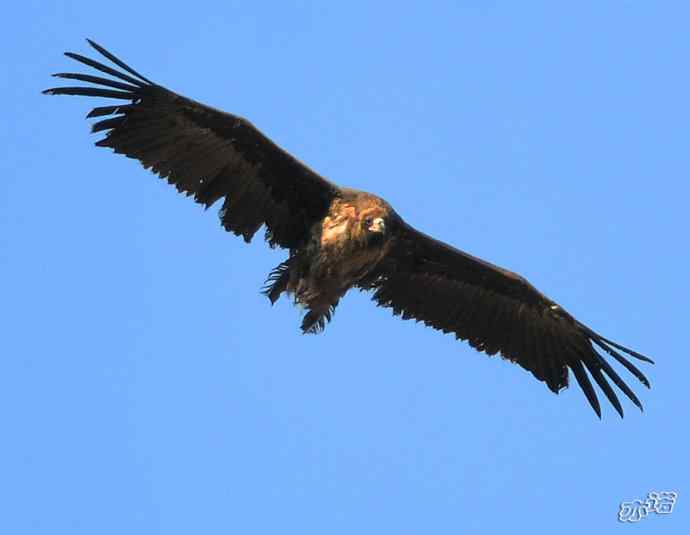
(375, 227)
(375, 224)
(371, 220)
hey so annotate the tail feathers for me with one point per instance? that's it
(315, 320)
(277, 281)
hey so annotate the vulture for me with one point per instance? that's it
(339, 238)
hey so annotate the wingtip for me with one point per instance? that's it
(640, 356)
(638, 404)
(595, 405)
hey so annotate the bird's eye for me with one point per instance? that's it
(368, 221)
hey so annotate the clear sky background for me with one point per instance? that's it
(147, 387)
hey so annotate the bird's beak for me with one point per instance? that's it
(378, 225)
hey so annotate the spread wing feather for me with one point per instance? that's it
(496, 311)
(205, 152)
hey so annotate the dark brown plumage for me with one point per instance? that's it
(339, 238)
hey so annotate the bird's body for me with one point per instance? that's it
(343, 248)
(338, 238)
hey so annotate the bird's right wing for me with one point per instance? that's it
(206, 153)
(496, 311)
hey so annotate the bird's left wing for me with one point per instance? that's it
(496, 311)
(205, 152)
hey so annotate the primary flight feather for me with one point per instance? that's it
(339, 238)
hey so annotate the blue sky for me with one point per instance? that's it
(147, 387)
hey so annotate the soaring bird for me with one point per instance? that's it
(339, 238)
